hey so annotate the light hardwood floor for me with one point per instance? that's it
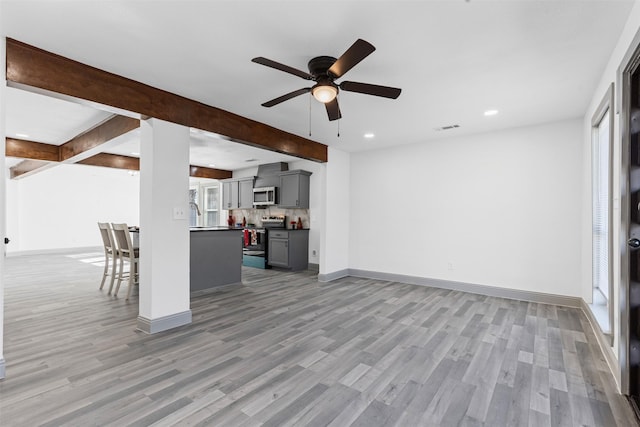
(285, 350)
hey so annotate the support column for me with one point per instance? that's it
(334, 241)
(164, 227)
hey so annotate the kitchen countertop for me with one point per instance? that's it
(215, 228)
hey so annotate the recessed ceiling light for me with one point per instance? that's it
(22, 135)
(491, 112)
(134, 153)
(369, 135)
(211, 165)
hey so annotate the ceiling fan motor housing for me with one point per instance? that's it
(319, 65)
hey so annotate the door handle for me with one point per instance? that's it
(634, 243)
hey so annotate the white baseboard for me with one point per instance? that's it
(492, 291)
(152, 326)
(328, 277)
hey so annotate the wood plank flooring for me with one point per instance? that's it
(285, 350)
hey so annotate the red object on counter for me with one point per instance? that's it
(246, 237)
(299, 226)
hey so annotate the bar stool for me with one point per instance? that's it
(110, 254)
(126, 252)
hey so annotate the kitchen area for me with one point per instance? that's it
(267, 225)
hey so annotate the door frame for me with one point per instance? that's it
(629, 64)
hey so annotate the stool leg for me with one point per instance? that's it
(114, 269)
(106, 267)
(115, 294)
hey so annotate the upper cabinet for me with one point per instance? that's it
(237, 193)
(294, 189)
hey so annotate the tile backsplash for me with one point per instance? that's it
(254, 216)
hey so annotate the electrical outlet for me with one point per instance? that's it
(179, 213)
(314, 253)
(450, 266)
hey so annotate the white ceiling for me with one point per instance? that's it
(534, 61)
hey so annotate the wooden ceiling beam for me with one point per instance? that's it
(36, 68)
(22, 148)
(133, 163)
(39, 155)
(28, 167)
(202, 172)
(90, 142)
(112, 161)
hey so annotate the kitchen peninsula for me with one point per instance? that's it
(216, 257)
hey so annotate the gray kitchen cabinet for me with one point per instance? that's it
(289, 249)
(237, 193)
(294, 189)
(245, 193)
(229, 194)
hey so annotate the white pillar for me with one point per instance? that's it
(164, 228)
(334, 240)
(3, 183)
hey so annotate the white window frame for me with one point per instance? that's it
(605, 106)
(203, 205)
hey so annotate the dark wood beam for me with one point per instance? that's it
(33, 152)
(112, 161)
(202, 172)
(95, 137)
(26, 167)
(133, 163)
(36, 68)
(24, 149)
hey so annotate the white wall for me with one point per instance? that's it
(500, 209)
(609, 75)
(60, 207)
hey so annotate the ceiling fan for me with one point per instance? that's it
(324, 70)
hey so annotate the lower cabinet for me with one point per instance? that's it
(289, 249)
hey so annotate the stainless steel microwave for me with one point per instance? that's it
(263, 196)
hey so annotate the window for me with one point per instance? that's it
(602, 243)
(193, 207)
(211, 201)
(204, 204)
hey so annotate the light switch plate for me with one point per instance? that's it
(179, 213)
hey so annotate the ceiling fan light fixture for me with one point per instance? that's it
(324, 93)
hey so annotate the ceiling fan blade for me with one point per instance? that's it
(356, 53)
(278, 66)
(283, 98)
(333, 109)
(369, 89)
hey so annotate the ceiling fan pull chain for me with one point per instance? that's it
(310, 96)
(338, 126)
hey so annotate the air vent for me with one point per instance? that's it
(446, 128)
